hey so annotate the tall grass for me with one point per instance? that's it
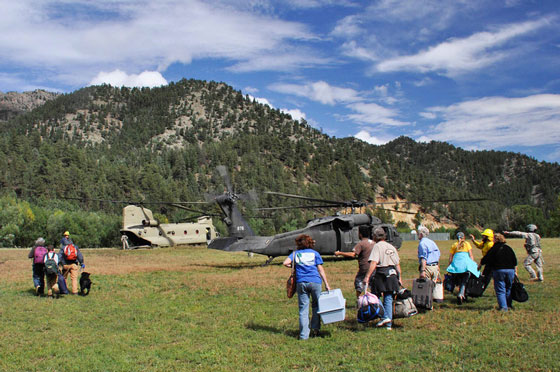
(193, 309)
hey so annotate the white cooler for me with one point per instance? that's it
(332, 306)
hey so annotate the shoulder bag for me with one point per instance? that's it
(518, 291)
(291, 283)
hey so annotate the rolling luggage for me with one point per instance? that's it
(423, 293)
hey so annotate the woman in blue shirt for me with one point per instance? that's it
(309, 278)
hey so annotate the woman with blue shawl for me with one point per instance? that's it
(462, 265)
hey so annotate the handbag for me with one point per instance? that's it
(518, 291)
(291, 283)
(475, 286)
(438, 292)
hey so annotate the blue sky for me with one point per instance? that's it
(477, 74)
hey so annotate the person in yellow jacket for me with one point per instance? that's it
(485, 245)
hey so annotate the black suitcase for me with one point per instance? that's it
(423, 293)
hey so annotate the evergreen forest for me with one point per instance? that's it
(63, 161)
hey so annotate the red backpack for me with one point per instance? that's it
(70, 252)
(39, 254)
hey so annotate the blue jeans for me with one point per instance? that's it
(304, 290)
(39, 277)
(503, 279)
(388, 305)
(462, 280)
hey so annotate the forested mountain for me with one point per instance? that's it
(163, 144)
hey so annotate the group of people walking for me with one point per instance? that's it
(49, 264)
(379, 269)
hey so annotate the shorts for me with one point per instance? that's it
(359, 283)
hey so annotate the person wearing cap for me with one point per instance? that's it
(428, 255)
(37, 253)
(462, 265)
(534, 251)
(385, 262)
(70, 266)
(485, 245)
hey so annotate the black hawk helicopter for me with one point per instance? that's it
(338, 232)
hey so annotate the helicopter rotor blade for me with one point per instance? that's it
(298, 207)
(222, 170)
(303, 197)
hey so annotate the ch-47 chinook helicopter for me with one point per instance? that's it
(142, 230)
(331, 233)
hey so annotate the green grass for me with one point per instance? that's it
(193, 309)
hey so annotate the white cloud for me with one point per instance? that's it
(118, 78)
(296, 114)
(285, 61)
(499, 122)
(319, 91)
(428, 115)
(260, 100)
(142, 35)
(457, 56)
(351, 49)
(348, 27)
(372, 113)
(367, 137)
(251, 90)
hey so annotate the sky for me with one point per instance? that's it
(479, 74)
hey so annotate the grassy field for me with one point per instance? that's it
(193, 309)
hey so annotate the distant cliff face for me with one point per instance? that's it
(13, 103)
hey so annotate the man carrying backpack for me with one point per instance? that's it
(70, 257)
(51, 270)
(38, 253)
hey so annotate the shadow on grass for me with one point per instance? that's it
(290, 333)
(239, 266)
(354, 326)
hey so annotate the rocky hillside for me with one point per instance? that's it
(13, 103)
(165, 143)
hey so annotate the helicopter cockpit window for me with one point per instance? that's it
(388, 234)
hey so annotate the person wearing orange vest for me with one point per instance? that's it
(485, 245)
(70, 258)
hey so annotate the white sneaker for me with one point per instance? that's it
(383, 322)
